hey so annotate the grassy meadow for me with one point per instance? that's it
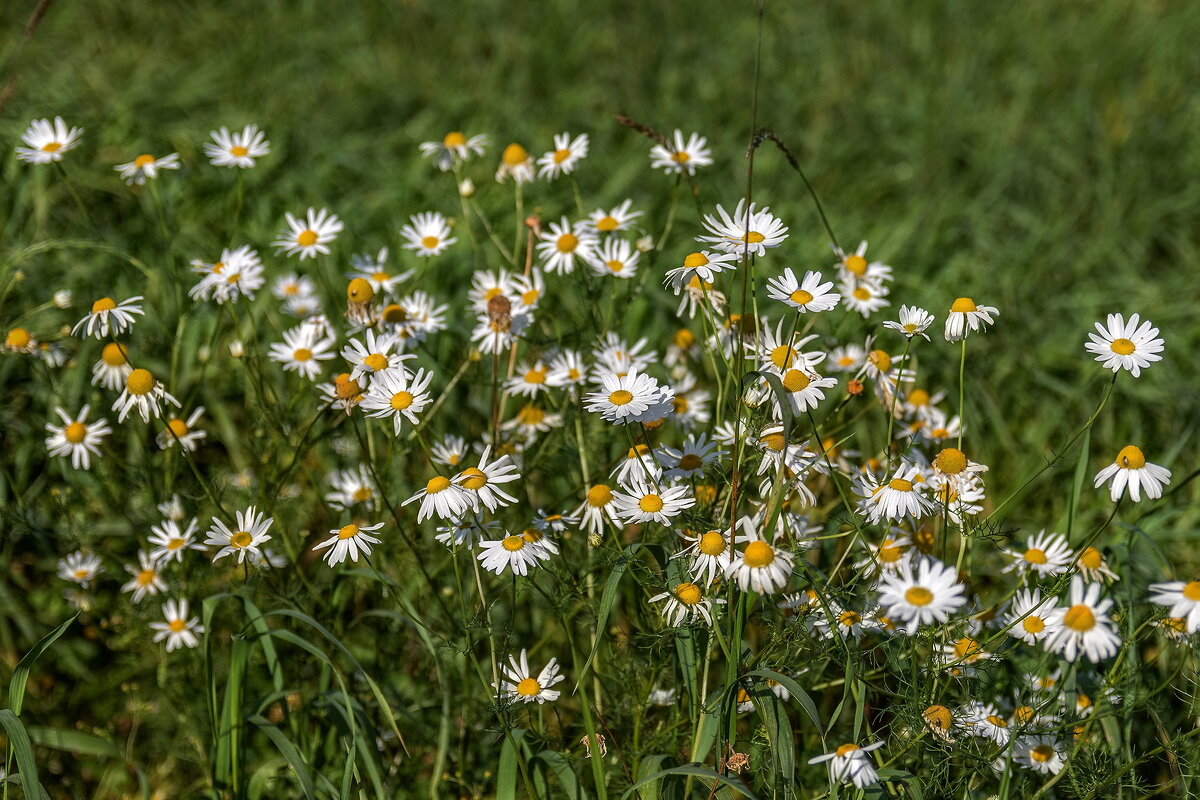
(1039, 157)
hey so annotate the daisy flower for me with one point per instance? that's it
(839, 621)
(373, 354)
(985, 721)
(685, 603)
(237, 149)
(443, 498)
(182, 432)
(807, 295)
(302, 350)
(620, 218)
(19, 340)
(566, 370)
(76, 437)
(1093, 568)
(913, 322)
(1183, 600)
(348, 541)
(80, 567)
(515, 163)
(170, 542)
(1029, 617)
(680, 157)
(701, 267)
(615, 258)
(178, 630)
(245, 540)
(865, 298)
(109, 318)
(1040, 753)
(481, 481)
(1084, 626)
(563, 243)
(638, 503)
(146, 577)
(454, 147)
(46, 142)
(632, 397)
(372, 269)
(850, 764)
(803, 390)
(965, 318)
(293, 285)
(428, 234)
(1131, 470)
(691, 459)
(143, 392)
(759, 567)
(398, 394)
(639, 462)
(1132, 345)
(597, 505)
(517, 682)
(517, 552)
(530, 380)
(449, 451)
(562, 160)
(1046, 554)
(745, 231)
(146, 167)
(466, 532)
(310, 236)
(889, 555)
(349, 487)
(899, 498)
(930, 596)
(238, 273)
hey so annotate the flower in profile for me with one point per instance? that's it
(1132, 345)
(632, 397)
(19, 340)
(427, 234)
(808, 295)
(1132, 471)
(702, 266)
(182, 432)
(245, 540)
(143, 392)
(146, 167)
(913, 322)
(745, 231)
(481, 480)
(1083, 626)
(930, 596)
(565, 156)
(348, 542)
(850, 764)
(237, 149)
(966, 317)
(47, 142)
(147, 578)
(685, 602)
(515, 163)
(76, 437)
(1183, 600)
(516, 551)
(760, 566)
(109, 317)
(454, 147)
(681, 157)
(309, 236)
(517, 682)
(178, 630)
(443, 498)
(620, 218)
(855, 270)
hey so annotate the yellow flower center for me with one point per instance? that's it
(177, 626)
(1033, 624)
(919, 397)
(801, 297)
(890, 552)
(347, 389)
(302, 354)
(880, 360)
(690, 461)
(688, 593)
(616, 266)
(437, 483)
(474, 479)
(795, 381)
(175, 544)
(1083, 701)
(607, 223)
(394, 313)
(146, 577)
(1024, 714)
(241, 539)
(512, 543)
(528, 688)
(75, 432)
(758, 554)
(535, 376)
(963, 305)
(239, 151)
(376, 361)
(1091, 559)
(999, 722)
(900, 485)
(1191, 591)
(1035, 555)
(454, 139)
(531, 415)
(1122, 347)
(430, 242)
(680, 405)
(856, 264)
(348, 531)
(846, 749)
(774, 441)
(103, 304)
(140, 382)
(1079, 618)
(951, 461)
(862, 293)
(967, 649)
(849, 619)
(18, 338)
(567, 243)
(51, 147)
(695, 260)
(530, 297)
(599, 496)
(362, 494)
(712, 543)
(620, 397)
(561, 156)
(753, 237)
(1130, 457)
(401, 400)
(918, 596)
(939, 718)
(651, 504)
(307, 238)
(178, 427)
(783, 356)
(359, 290)
(1042, 753)
(680, 157)
(513, 155)
(143, 160)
